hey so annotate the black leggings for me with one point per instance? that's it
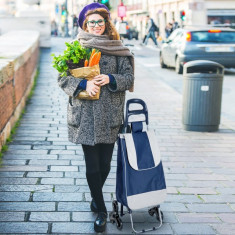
(98, 163)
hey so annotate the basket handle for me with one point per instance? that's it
(136, 112)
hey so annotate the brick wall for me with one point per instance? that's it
(16, 80)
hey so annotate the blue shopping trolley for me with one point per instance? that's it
(140, 181)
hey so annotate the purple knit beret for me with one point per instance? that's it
(92, 6)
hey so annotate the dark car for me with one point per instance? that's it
(187, 44)
(131, 32)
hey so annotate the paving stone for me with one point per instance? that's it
(71, 157)
(218, 198)
(64, 168)
(73, 174)
(226, 190)
(23, 168)
(26, 188)
(176, 177)
(78, 163)
(74, 206)
(209, 208)
(232, 206)
(192, 229)
(25, 152)
(26, 138)
(73, 228)
(18, 181)
(71, 188)
(206, 177)
(107, 197)
(56, 147)
(173, 207)
(49, 216)
(127, 230)
(197, 191)
(58, 181)
(17, 147)
(12, 216)
(175, 183)
(66, 152)
(27, 206)
(14, 196)
(22, 227)
(11, 174)
(225, 228)
(197, 218)
(227, 217)
(54, 197)
(172, 190)
(183, 198)
(45, 174)
(13, 162)
(204, 184)
(28, 157)
(81, 181)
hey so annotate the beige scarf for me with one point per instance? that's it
(106, 46)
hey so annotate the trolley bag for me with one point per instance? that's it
(140, 181)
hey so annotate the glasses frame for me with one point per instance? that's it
(96, 22)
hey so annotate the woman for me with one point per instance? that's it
(95, 124)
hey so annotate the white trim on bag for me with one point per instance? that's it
(131, 151)
(148, 199)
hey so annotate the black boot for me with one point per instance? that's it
(100, 222)
(93, 206)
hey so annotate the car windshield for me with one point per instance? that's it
(213, 36)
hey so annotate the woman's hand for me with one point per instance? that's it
(92, 88)
(101, 79)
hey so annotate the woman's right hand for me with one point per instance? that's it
(91, 88)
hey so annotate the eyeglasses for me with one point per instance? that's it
(92, 23)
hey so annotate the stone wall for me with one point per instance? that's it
(19, 53)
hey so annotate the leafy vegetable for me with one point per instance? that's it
(74, 54)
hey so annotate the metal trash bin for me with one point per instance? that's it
(202, 95)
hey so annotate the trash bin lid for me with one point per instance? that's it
(203, 66)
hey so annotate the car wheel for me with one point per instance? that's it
(178, 66)
(162, 64)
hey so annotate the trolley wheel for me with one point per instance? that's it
(151, 212)
(119, 223)
(158, 217)
(112, 216)
(115, 206)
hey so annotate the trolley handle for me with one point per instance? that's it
(136, 112)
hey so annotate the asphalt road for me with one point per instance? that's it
(149, 57)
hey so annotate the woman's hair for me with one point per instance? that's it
(110, 29)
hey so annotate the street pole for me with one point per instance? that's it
(66, 20)
(121, 4)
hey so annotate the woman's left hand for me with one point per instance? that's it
(101, 79)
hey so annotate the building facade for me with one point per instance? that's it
(197, 12)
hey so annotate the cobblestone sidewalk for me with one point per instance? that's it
(43, 188)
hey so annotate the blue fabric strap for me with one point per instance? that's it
(137, 126)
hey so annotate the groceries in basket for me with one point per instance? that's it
(80, 62)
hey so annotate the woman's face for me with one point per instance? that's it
(96, 24)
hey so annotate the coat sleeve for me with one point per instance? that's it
(125, 77)
(69, 84)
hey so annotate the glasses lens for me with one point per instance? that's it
(100, 22)
(91, 23)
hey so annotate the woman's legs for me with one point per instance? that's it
(106, 152)
(93, 175)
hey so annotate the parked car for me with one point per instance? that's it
(131, 32)
(187, 44)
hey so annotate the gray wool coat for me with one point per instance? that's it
(98, 121)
